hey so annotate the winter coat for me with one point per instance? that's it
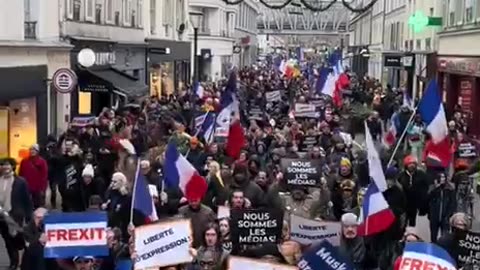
(35, 171)
(442, 202)
(22, 207)
(217, 194)
(415, 186)
(201, 218)
(251, 191)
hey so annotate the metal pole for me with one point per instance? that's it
(397, 146)
(195, 55)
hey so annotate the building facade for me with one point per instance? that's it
(114, 31)
(246, 42)
(30, 53)
(360, 30)
(168, 45)
(216, 37)
(376, 47)
(423, 42)
(458, 59)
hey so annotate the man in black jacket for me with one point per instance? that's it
(13, 192)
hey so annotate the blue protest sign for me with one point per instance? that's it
(125, 264)
(76, 234)
(324, 256)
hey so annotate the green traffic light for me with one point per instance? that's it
(418, 21)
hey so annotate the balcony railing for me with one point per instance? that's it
(30, 30)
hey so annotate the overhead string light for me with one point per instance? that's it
(307, 4)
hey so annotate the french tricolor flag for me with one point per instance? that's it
(437, 151)
(179, 173)
(425, 255)
(337, 80)
(375, 214)
(391, 135)
(142, 200)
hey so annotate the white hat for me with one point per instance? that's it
(88, 171)
(153, 190)
(349, 219)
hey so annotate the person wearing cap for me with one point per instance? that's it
(352, 245)
(35, 171)
(415, 186)
(16, 202)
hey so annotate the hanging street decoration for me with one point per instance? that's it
(309, 5)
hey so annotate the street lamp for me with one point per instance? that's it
(195, 20)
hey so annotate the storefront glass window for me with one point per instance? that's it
(162, 79)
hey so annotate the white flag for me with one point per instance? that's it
(374, 162)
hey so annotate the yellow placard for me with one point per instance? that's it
(84, 102)
(3, 132)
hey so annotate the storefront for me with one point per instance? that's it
(359, 60)
(117, 77)
(459, 79)
(393, 74)
(23, 109)
(169, 65)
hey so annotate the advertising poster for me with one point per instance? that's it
(23, 127)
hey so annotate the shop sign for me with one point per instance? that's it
(97, 88)
(105, 58)
(237, 49)
(465, 97)
(394, 61)
(64, 80)
(468, 66)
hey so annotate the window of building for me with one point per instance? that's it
(428, 44)
(468, 11)
(89, 10)
(69, 9)
(133, 21)
(451, 12)
(153, 17)
(98, 13)
(108, 11)
(140, 13)
(180, 12)
(419, 44)
(117, 18)
(127, 12)
(459, 12)
(77, 6)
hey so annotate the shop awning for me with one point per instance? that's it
(124, 83)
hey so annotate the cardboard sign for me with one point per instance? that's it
(301, 172)
(303, 110)
(240, 263)
(75, 234)
(466, 150)
(307, 231)
(421, 255)
(256, 113)
(253, 227)
(273, 96)
(163, 244)
(323, 257)
(308, 142)
(469, 248)
(223, 212)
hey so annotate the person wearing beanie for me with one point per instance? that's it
(415, 185)
(90, 186)
(35, 171)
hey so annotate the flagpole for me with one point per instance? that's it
(133, 193)
(397, 146)
(198, 131)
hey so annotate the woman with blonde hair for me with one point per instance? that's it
(217, 192)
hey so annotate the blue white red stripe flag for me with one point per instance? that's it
(433, 114)
(374, 162)
(179, 173)
(375, 214)
(421, 255)
(142, 200)
(75, 234)
(198, 89)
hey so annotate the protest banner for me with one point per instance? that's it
(469, 248)
(308, 142)
(75, 234)
(223, 212)
(240, 263)
(307, 231)
(256, 113)
(421, 255)
(303, 110)
(273, 96)
(324, 256)
(162, 244)
(301, 172)
(255, 226)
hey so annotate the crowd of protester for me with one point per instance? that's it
(92, 167)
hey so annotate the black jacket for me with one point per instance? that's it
(22, 207)
(442, 204)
